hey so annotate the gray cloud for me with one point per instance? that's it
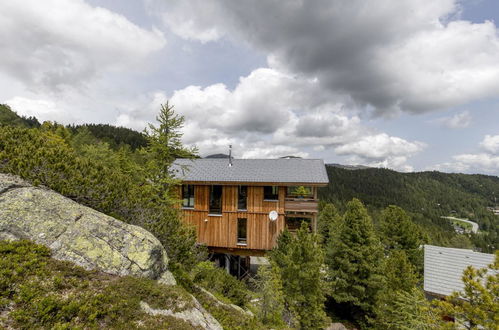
(52, 45)
(459, 120)
(405, 55)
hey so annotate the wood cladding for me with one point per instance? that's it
(221, 230)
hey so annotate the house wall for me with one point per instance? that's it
(221, 230)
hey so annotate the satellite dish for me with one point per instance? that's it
(273, 215)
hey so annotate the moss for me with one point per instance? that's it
(39, 292)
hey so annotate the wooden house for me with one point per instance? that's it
(239, 206)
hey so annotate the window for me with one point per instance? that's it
(242, 198)
(271, 193)
(188, 195)
(242, 231)
(216, 200)
(299, 191)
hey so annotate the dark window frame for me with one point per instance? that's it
(272, 195)
(242, 198)
(242, 231)
(188, 198)
(215, 202)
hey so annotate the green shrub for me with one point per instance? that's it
(40, 292)
(220, 283)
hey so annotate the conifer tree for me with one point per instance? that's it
(328, 222)
(398, 232)
(355, 262)
(406, 310)
(300, 262)
(269, 283)
(477, 305)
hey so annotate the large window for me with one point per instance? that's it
(188, 195)
(242, 198)
(216, 199)
(271, 193)
(299, 192)
(242, 231)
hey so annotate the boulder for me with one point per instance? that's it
(78, 233)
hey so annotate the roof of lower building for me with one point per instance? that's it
(287, 171)
(443, 268)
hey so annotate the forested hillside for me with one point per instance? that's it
(426, 195)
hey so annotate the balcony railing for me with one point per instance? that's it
(301, 205)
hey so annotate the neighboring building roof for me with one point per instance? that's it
(443, 268)
(295, 170)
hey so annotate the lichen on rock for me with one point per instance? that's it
(78, 233)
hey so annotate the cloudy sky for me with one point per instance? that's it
(403, 84)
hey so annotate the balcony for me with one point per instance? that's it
(308, 205)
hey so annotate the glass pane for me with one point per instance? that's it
(216, 199)
(242, 197)
(242, 230)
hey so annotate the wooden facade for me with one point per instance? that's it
(220, 231)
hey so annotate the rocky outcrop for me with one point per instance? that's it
(235, 309)
(197, 316)
(77, 233)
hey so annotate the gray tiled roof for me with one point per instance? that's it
(295, 170)
(443, 267)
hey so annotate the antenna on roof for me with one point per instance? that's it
(230, 155)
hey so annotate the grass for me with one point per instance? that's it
(38, 292)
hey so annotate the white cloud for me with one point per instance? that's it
(54, 44)
(459, 120)
(485, 162)
(271, 114)
(42, 109)
(413, 56)
(380, 147)
(491, 144)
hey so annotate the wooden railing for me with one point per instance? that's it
(301, 205)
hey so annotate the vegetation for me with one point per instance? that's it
(354, 255)
(477, 306)
(90, 175)
(116, 137)
(39, 292)
(223, 285)
(299, 261)
(10, 118)
(364, 265)
(425, 196)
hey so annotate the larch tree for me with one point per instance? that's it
(407, 310)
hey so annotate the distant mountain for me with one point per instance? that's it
(427, 195)
(217, 156)
(349, 167)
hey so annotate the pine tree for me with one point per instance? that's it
(398, 232)
(355, 261)
(270, 290)
(477, 305)
(300, 262)
(328, 222)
